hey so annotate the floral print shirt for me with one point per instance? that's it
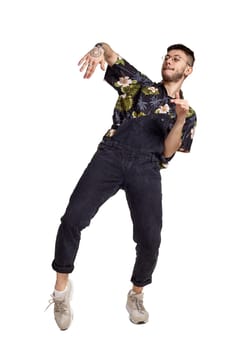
(144, 114)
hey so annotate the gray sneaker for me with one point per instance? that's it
(135, 308)
(62, 311)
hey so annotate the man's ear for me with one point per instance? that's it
(188, 71)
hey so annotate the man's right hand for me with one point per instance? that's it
(91, 60)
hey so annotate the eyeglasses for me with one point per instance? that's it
(175, 58)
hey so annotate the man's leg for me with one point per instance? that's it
(100, 181)
(143, 192)
(61, 281)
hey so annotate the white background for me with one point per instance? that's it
(51, 122)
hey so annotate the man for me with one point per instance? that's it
(151, 121)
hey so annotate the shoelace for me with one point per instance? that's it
(51, 301)
(59, 305)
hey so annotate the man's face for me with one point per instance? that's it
(175, 66)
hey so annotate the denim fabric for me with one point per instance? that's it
(115, 167)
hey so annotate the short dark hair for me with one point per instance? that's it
(184, 48)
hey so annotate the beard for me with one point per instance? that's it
(175, 77)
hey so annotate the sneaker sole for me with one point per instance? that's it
(140, 322)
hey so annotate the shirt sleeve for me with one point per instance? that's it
(122, 74)
(188, 131)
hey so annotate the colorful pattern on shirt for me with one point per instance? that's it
(141, 97)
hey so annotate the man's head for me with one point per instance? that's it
(188, 52)
(177, 63)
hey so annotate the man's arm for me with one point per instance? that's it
(174, 138)
(102, 53)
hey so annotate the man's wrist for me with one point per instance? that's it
(180, 123)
